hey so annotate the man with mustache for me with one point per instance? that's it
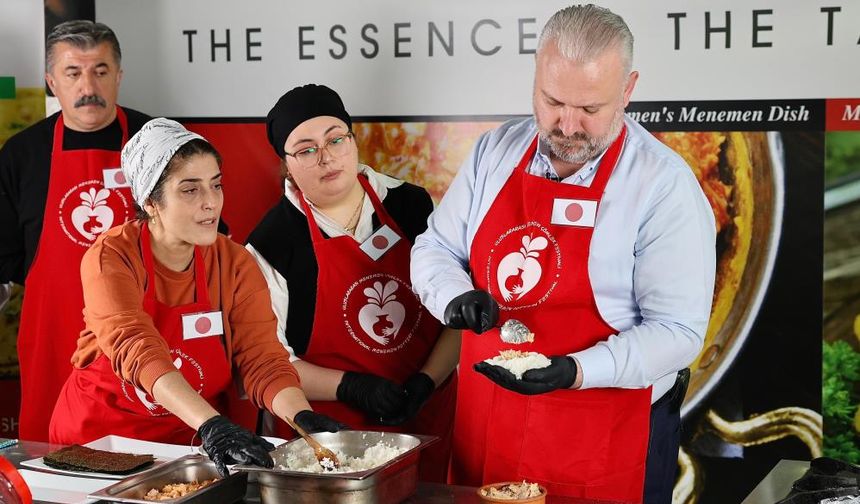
(580, 224)
(60, 187)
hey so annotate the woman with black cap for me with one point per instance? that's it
(171, 307)
(335, 252)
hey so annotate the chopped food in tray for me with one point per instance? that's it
(512, 491)
(81, 458)
(518, 362)
(176, 490)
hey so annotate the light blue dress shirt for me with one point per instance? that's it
(652, 258)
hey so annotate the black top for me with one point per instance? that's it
(284, 240)
(25, 168)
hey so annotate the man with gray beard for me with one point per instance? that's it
(580, 224)
(61, 187)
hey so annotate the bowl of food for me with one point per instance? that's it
(519, 492)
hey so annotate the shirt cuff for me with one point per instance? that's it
(151, 372)
(444, 293)
(276, 386)
(597, 367)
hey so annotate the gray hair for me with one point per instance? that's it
(83, 34)
(584, 32)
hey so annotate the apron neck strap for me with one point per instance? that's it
(381, 213)
(123, 123)
(384, 218)
(610, 159)
(59, 129)
(58, 134)
(201, 286)
(316, 234)
(200, 277)
(526, 160)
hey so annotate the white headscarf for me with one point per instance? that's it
(146, 154)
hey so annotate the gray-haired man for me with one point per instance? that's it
(583, 226)
(60, 187)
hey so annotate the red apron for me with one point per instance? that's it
(79, 207)
(95, 402)
(368, 319)
(531, 257)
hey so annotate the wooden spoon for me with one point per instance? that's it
(327, 459)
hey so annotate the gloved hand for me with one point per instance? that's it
(475, 310)
(228, 443)
(381, 399)
(315, 422)
(418, 387)
(560, 374)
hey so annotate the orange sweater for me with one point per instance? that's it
(114, 279)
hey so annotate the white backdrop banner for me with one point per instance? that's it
(219, 58)
(22, 52)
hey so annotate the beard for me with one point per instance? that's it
(581, 147)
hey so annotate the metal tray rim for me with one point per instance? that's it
(423, 442)
(105, 495)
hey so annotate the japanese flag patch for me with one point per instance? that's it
(380, 242)
(574, 212)
(114, 178)
(202, 325)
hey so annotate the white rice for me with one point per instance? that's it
(519, 362)
(304, 460)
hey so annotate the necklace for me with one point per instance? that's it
(350, 226)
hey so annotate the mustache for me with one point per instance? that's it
(90, 100)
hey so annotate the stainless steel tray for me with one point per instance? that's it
(185, 469)
(390, 482)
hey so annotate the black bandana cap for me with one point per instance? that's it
(297, 106)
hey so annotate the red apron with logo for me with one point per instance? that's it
(531, 254)
(87, 195)
(95, 402)
(367, 319)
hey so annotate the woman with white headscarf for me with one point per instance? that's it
(171, 308)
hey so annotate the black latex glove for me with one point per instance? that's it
(475, 310)
(418, 387)
(560, 374)
(381, 399)
(315, 422)
(228, 443)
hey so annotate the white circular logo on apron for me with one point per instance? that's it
(191, 371)
(524, 266)
(381, 312)
(88, 210)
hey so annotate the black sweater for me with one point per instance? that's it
(284, 240)
(25, 169)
